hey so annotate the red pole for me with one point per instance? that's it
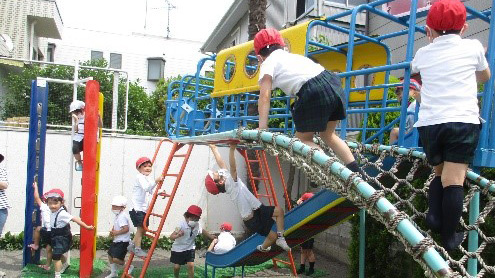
(88, 192)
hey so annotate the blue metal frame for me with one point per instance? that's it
(35, 165)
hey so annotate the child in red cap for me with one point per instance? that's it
(184, 236)
(307, 246)
(143, 185)
(448, 120)
(414, 91)
(256, 216)
(319, 96)
(225, 241)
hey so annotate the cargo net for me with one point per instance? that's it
(405, 184)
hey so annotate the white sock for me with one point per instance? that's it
(131, 268)
(58, 275)
(280, 233)
(113, 268)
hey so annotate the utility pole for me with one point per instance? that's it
(170, 6)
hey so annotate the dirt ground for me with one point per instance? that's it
(10, 263)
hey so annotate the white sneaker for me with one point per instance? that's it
(261, 249)
(64, 267)
(140, 253)
(112, 275)
(282, 243)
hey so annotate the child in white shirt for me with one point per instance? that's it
(42, 233)
(225, 241)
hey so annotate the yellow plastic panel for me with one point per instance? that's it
(295, 38)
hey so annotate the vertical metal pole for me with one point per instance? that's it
(362, 242)
(115, 99)
(474, 211)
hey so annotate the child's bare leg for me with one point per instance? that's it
(36, 239)
(58, 265)
(278, 213)
(138, 237)
(77, 157)
(311, 256)
(212, 245)
(269, 240)
(176, 270)
(394, 135)
(307, 138)
(338, 145)
(190, 269)
(48, 256)
(303, 256)
(453, 175)
(118, 261)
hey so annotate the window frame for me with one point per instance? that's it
(112, 54)
(162, 68)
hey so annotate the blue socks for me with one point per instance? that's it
(435, 199)
(453, 196)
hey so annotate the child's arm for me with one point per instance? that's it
(76, 122)
(82, 224)
(217, 156)
(233, 168)
(264, 101)
(37, 198)
(176, 234)
(122, 231)
(483, 76)
(205, 233)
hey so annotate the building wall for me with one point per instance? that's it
(181, 56)
(377, 26)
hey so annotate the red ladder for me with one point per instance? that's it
(155, 235)
(270, 194)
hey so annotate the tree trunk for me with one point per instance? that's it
(257, 17)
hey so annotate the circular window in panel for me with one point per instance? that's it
(251, 64)
(364, 79)
(229, 68)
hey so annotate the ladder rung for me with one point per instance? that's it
(259, 178)
(171, 175)
(180, 155)
(157, 215)
(150, 236)
(281, 261)
(264, 195)
(253, 161)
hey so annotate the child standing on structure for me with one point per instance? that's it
(143, 186)
(184, 236)
(61, 236)
(121, 234)
(77, 111)
(256, 216)
(319, 97)
(448, 121)
(42, 234)
(307, 246)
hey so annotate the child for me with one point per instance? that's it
(143, 185)
(61, 237)
(121, 236)
(414, 89)
(77, 111)
(225, 241)
(43, 233)
(4, 203)
(319, 97)
(307, 246)
(183, 248)
(448, 121)
(256, 216)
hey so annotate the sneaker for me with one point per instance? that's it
(131, 247)
(139, 252)
(261, 249)
(2, 274)
(64, 267)
(282, 243)
(79, 166)
(112, 275)
(310, 272)
(131, 268)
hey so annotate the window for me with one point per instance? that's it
(156, 67)
(115, 61)
(304, 6)
(235, 37)
(50, 52)
(96, 55)
(348, 2)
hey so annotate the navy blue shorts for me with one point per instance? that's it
(451, 142)
(308, 244)
(137, 218)
(182, 258)
(77, 146)
(320, 100)
(45, 237)
(262, 220)
(118, 250)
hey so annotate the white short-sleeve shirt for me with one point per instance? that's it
(289, 71)
(143, 185)
(45, 216)
(62, 220)
(449, 90)
(121, 221)
(245, 201)
(225, 243)
(187, 241)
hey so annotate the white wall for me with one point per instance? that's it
(181, 56)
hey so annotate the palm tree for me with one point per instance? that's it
(257, 17)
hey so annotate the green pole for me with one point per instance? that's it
(362, 241)
(474, 212)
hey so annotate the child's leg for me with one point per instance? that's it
(453, 175)
(58, 265)
(269, 240)
(190, 269)
(77, 157)
(435, 199)
(36, 239)
(176, 270)
(49, 254)
(307, 138)
(336, 143)
(138, 237)
(311, 256)
(302, 267)
(278, 214)
(394, 135)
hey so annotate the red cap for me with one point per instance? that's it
(306, 196)
(142, 160)
(266, 37)
(195, 210)
(210, 184)
(446, 15)
(226, 226)
(54, 193)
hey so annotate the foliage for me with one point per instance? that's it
(12, 242)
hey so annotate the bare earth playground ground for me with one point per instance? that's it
(10, 262)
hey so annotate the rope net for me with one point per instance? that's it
(405, 184)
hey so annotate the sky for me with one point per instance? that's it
(190, 19)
